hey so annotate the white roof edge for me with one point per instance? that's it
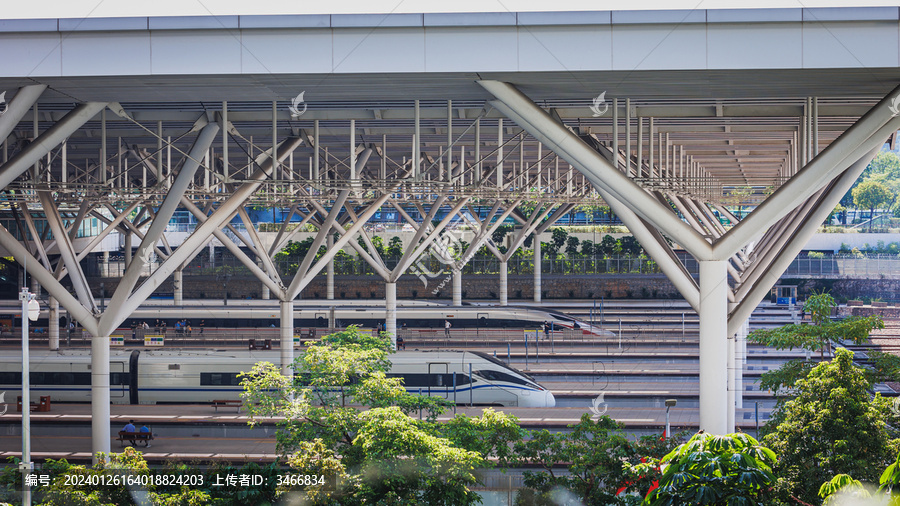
(549, 18)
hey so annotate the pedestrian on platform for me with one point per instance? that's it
(447, 326)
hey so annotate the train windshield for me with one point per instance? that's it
(502, 364)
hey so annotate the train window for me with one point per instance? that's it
(500, 376)
(431, 380)
(220, 379)
(61, 378)
(10, 378)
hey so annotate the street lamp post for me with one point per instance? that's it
(669, 403)
(30, 311)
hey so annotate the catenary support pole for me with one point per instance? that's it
(537, 268)
(730, 360)
(329, 281)
(713, 346)
(390, 312)
(53, 316)
(127, 248)
(287, 338)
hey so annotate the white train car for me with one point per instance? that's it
(187, 376)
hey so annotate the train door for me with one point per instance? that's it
(118, 387)
(437, 379)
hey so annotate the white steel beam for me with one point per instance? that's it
(867, 133)
(179, 186)
(800, 236)
(48, 140)
(566, 144)
(18, 107)
(197, 240)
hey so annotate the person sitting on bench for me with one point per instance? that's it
(129, 427)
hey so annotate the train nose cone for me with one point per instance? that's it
(550, 400)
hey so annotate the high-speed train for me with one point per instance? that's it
(508, 317)
(264, 313)
(187, 376)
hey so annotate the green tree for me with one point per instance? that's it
(559, 236)
(607, 245)
(831, 427)
(870, 195)
(715, 470)
(384, 455)
(630, 246)
(819, 336)
(395, 247)
(572, 246)
(587, 248)
(599, 458)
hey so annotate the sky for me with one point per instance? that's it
(126, 8)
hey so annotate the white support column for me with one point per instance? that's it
(53, 317)
(329, 283)
(457, 286)
(100, 424)
(287, 337)
(713, 316)
(503, 284)
(35, 286)
(537, 267)
(177, 287)
(104, 267)
(390, 312)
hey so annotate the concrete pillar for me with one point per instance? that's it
(537, 268)
(329, 282)
(713, 346)
(212, 250)
(127, 250)
(178, 287)
(35, 286)
(287, 337)
(390, 312)
(104, 266)
(100, 424)
(457, 286)
(503, 284)
(53, 316)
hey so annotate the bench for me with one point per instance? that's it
(227, 402)
(135, 436)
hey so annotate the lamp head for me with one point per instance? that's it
(671, 402)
